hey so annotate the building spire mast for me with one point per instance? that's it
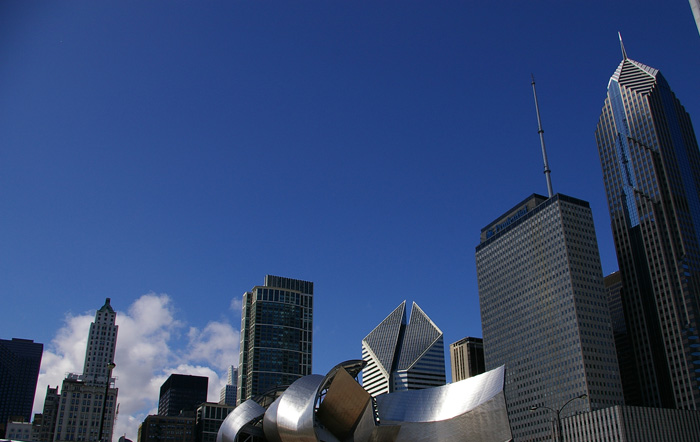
(540, 131)
(622, 46)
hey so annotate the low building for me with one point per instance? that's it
(210, 416)
(640, 424)
(156, 428)
(18, 430)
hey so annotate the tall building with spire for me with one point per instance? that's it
(403, 355)
(276, 335)
(651, 167)
(88, 401)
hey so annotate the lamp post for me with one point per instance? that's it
(110, 367)
(558, 413)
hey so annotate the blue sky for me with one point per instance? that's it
(168, 155)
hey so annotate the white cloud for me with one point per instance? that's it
(236, 304)
(148, 351)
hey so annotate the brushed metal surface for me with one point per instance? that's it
(242, 415)
(343, 405)
(471, 410)
(295, 411)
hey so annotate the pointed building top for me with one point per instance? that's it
(107, 306)
(622, 46)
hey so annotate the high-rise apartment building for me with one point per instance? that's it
(544, 312)
(467, 358)
(651, 167)
(88, 401)
(181, 394)
(403, 355)
(276, 335)
(20, 360)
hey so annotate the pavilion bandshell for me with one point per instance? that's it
(335, 408)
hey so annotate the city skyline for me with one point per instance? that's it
(389, 134)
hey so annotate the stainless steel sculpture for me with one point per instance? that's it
(336, 408)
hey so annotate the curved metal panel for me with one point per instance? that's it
(474, 409)
(270, 422)
(295, 411)
(440, 403)
(242, 415)
(343, 406)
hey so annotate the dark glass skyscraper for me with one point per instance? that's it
(651, 167)
(276, 335)
(182, 393)
(19, 370)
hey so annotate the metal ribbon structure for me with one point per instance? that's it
(335, 408)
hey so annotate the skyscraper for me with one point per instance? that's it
(19, 371)
(88, 401)
(467, 358)
(182, 393)
(544, 312)
(276, 335)
(227, 395)
(651, 167)
(403, 355)
(695, 7)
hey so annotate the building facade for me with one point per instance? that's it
(227, 396)
(88, 401)
(403, 355)
(651, 167)
(20, 360)
(276, 335)
(467, 358)
(49, 415)
(19, 431)
(544, 312)
(209, 418)
(638, 424)
(181, 394)
(156, 428)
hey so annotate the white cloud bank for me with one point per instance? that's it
(149, 349)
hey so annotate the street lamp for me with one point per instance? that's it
(558, 413)
(110, 367)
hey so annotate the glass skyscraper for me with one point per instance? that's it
(651, 167)
(403, 355)
(19, 371)
(276, 335)
(544, 312)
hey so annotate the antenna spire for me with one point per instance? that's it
(622, 46)
(540, 131)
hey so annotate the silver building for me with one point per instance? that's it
(334, 408)
(651, 169)
(544, 313)
(276, 335)
(403, 355)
